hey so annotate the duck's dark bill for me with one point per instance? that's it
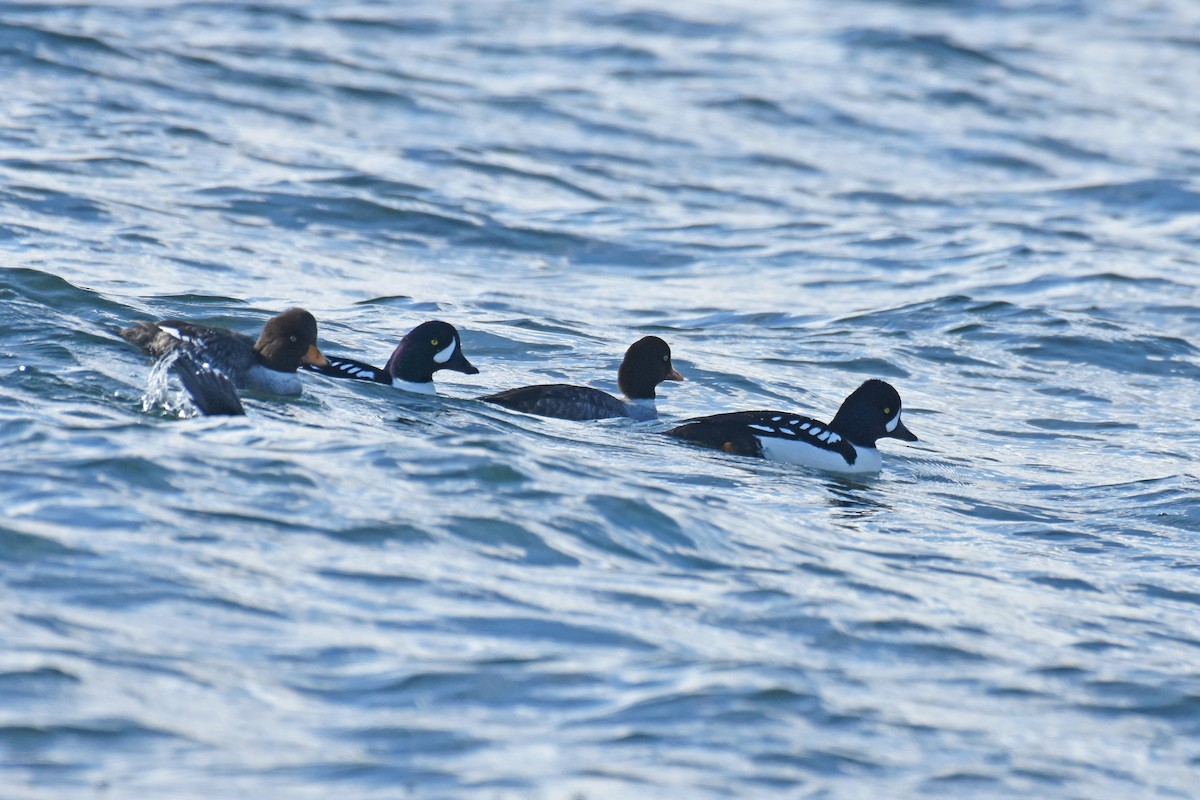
(338, 367)
(903, 433)
(459, 363)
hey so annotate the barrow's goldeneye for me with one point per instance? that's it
(214, 362)
(427, 348)
(847, 444)
(647, 363)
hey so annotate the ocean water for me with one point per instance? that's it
(992, 204)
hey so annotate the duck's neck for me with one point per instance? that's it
(423, 387)
(642, 409)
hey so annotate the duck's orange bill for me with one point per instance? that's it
(313, 356)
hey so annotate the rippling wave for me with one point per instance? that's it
(991, 204)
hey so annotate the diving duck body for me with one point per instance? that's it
(847, 444)
(426, 349)
(214, 363)
(646, 364)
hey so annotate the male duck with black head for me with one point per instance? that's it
(426, 349)
(847, 444)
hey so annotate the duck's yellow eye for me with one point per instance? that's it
(434, 343)
(666, 358)
(887, 411)
(291, 338)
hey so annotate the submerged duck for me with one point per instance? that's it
(847, 444)
(427, 348)
(647, 363)
(214, 363)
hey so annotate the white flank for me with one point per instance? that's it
(808, 455)
(445, 354)
(763, 428)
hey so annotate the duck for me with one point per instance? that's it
(213, 363)
(646, 364)
(847, 444)
(431, 346)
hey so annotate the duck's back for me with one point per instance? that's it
(561, 400)
(227, 350)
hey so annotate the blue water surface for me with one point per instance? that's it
(992, 204)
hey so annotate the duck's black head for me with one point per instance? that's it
(427, 348)
(289, 340)
(871, 412)
(647, 363)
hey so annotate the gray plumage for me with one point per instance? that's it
(561, 400)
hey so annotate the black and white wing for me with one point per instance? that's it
(743, 433)
(211, 390)
(233, 351)
(339, 367)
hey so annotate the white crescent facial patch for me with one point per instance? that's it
(444, 355)
(892, 423)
